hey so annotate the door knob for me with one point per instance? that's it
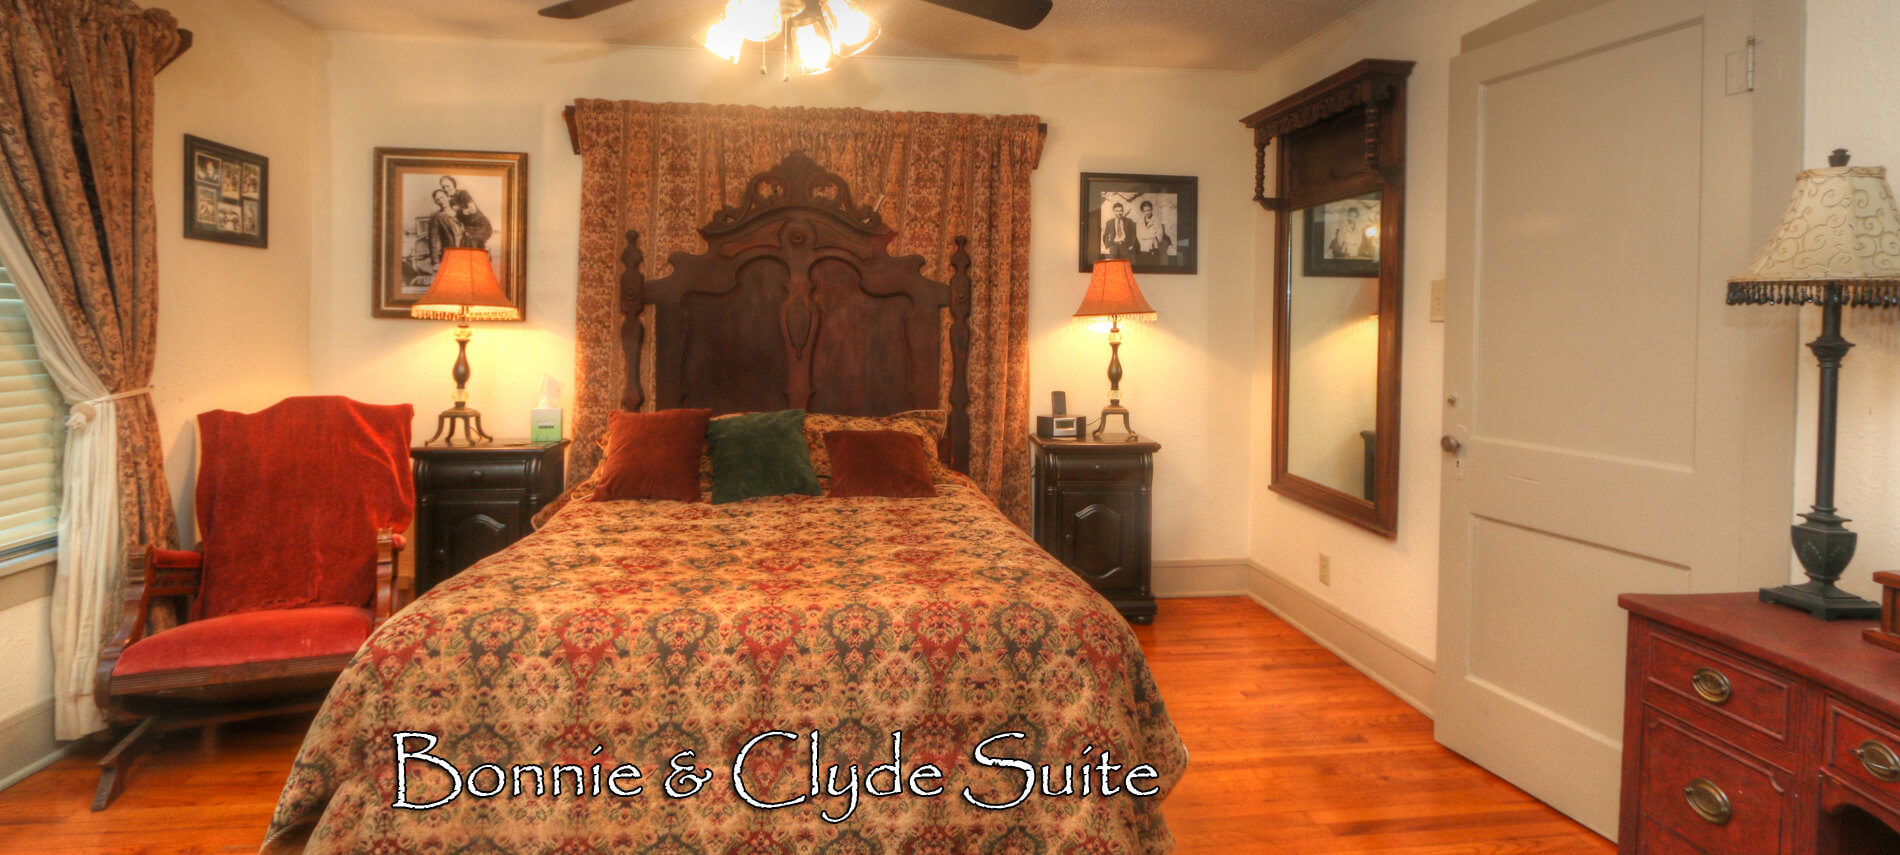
(1450, 443)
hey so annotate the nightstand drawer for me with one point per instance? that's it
(1100, 469)
(477, 474)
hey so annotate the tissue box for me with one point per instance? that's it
(544, 424)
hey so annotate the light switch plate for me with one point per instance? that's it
(1438, 301)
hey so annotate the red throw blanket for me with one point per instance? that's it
(290, 499)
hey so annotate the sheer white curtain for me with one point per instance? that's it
(89, 540)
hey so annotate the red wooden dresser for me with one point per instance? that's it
(1751, 728)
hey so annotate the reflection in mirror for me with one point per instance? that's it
(1332, 354)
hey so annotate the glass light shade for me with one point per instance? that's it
(755, 20)
(851, 30)
(810, 49)
(723, 39)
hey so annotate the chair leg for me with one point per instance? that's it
(117, 762)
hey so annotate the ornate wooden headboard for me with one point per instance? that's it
(797, 302)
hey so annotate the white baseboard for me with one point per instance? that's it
(26, 743)
(1405, 672)
(1199, 577)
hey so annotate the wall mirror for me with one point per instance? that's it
(1339, 194)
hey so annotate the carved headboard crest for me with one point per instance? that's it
(797, 181)
(797, 303)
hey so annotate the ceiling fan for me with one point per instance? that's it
(1021, 14)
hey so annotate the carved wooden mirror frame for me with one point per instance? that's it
(1341, 138)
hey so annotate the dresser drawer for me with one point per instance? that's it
(1863, 751)
(476, 474)
(1710, 684)
(1718, 799)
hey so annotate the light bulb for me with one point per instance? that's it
(723, 39)
(851, 30)
(811, 49)
(755, 20)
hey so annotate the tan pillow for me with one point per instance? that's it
(928, 424)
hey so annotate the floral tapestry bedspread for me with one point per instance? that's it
(789, 675)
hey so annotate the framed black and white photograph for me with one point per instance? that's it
(227, 194)
(1342, 238)
(430, 200)
(1147, 219)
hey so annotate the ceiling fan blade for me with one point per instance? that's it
(579, 8)
(1021, 14)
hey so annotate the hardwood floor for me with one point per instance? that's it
(1293, 751)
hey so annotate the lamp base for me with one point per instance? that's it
(468, 417)
(1822, 600)
(1115, 409)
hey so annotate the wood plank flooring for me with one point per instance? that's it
(1293, 751)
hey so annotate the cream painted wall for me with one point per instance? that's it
(1849, 60)
(234, 321)
(1186, 376)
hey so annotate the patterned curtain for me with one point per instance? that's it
(665, 169)
(76, 183)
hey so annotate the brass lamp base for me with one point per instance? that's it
(470, 420)
(1115, 409)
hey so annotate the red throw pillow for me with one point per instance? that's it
(891, 464)
(653, 456)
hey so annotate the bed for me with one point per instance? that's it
(912, 662)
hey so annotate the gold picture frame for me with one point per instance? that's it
(429, 199)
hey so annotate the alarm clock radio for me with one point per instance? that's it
(1061, 425)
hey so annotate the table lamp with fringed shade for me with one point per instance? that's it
(464, 290)
(1838, 245)
(1113, 294)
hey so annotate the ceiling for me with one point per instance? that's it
(1229, 34)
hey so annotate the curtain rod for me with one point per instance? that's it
(184, 44)
(574, 131)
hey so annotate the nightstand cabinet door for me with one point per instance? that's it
(473, 501)
(1093, 503)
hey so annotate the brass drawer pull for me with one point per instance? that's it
(1879, 760)
(1708, 801)
(1712, 685)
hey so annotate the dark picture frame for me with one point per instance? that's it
(1161, 233)
(227, 194)
(1324, 255)
(428, 199)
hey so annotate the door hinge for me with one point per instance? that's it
(1741, 70)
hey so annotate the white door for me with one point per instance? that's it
(1619, 429)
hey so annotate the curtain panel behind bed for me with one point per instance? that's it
(665, 169)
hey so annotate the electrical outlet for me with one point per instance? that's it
(1325, 569)
(1438, 301)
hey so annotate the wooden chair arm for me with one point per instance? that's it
(395, 584)
(151, 574)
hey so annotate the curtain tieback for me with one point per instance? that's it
(82, 411)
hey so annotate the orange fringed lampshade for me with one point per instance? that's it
(1113, 293)
(465, 290)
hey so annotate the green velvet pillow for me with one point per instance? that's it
(763, 454)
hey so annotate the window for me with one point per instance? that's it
(32, 432)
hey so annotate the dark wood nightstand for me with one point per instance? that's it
(1094, 504)
(472, 500)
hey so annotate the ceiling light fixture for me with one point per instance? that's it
(815, 33)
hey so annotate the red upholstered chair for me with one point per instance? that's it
(298, 510)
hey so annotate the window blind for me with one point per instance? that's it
(32, 432)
